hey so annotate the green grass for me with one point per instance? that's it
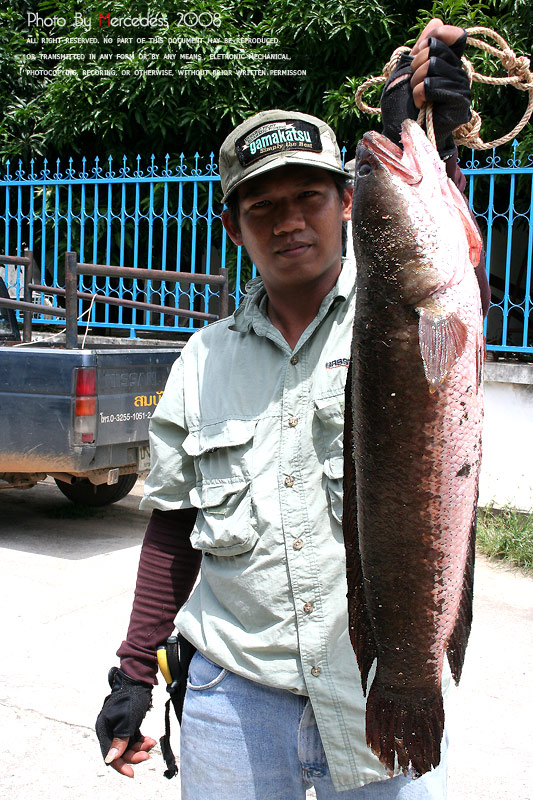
(507, 535)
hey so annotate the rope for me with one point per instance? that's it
(518, 75)
(63, 330)
(88, 312)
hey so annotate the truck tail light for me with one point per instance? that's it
(84, 405)
(86, 381)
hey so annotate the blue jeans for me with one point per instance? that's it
(241, 740)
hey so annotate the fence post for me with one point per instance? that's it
(71, 299)
(28, 278)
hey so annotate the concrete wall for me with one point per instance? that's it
(507, 467)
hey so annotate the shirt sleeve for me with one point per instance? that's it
(172, 474)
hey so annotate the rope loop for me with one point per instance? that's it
(519, 75)
(468, 133)
(508, 59)
(469, 69)
(521, 70)
(390, 66)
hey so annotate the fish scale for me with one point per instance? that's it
(414, 409)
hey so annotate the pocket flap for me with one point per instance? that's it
(223, 526)
(211, 495)
(228, 433)
(326, 406)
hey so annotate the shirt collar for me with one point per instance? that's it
(253, 305)
(243, 317)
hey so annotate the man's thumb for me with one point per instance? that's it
(118, 747)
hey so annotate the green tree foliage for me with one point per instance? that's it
(337, 42)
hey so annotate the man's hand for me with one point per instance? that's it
(117, 726)
(436, 29)
(432, 72)
(120, 756)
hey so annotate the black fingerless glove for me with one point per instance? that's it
(446, 86)
(395, 99)
(123, 710)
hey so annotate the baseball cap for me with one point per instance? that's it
(272, 139)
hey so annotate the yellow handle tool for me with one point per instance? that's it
(162, 661)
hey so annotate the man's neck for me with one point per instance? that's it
(292, 312)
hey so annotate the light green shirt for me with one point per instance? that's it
(250, 432)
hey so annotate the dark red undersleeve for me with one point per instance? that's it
(168, 568)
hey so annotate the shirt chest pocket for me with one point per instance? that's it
(223, 458)
(328, 426)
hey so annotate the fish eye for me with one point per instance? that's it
(364, 169)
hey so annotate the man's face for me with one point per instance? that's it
(290, 222)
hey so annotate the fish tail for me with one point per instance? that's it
(409, 729)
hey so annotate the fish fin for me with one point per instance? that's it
(459, 638)
(473, 236)
(442, 340)
(404, 726)
(359, 627)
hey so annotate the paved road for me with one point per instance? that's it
(66, 586)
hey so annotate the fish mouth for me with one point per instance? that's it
(402, 163)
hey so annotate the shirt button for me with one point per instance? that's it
(308, 607)
(315, 671)
(289, 481)
(294, 360)
(293, 422)
(298, 544)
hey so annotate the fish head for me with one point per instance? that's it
(411, 227)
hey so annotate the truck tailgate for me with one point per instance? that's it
(129, 386)
(37, 386)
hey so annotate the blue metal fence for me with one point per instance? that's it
(150, 216)
(168, 216)
(500, 192)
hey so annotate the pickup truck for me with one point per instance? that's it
(79, 415)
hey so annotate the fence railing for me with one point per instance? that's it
(72, 297)
(167, 217)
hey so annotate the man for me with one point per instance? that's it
(247, 462)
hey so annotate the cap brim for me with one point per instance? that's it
(283, 161)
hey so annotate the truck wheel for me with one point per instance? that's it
(85, 493)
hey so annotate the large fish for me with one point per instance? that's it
(412, 441)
